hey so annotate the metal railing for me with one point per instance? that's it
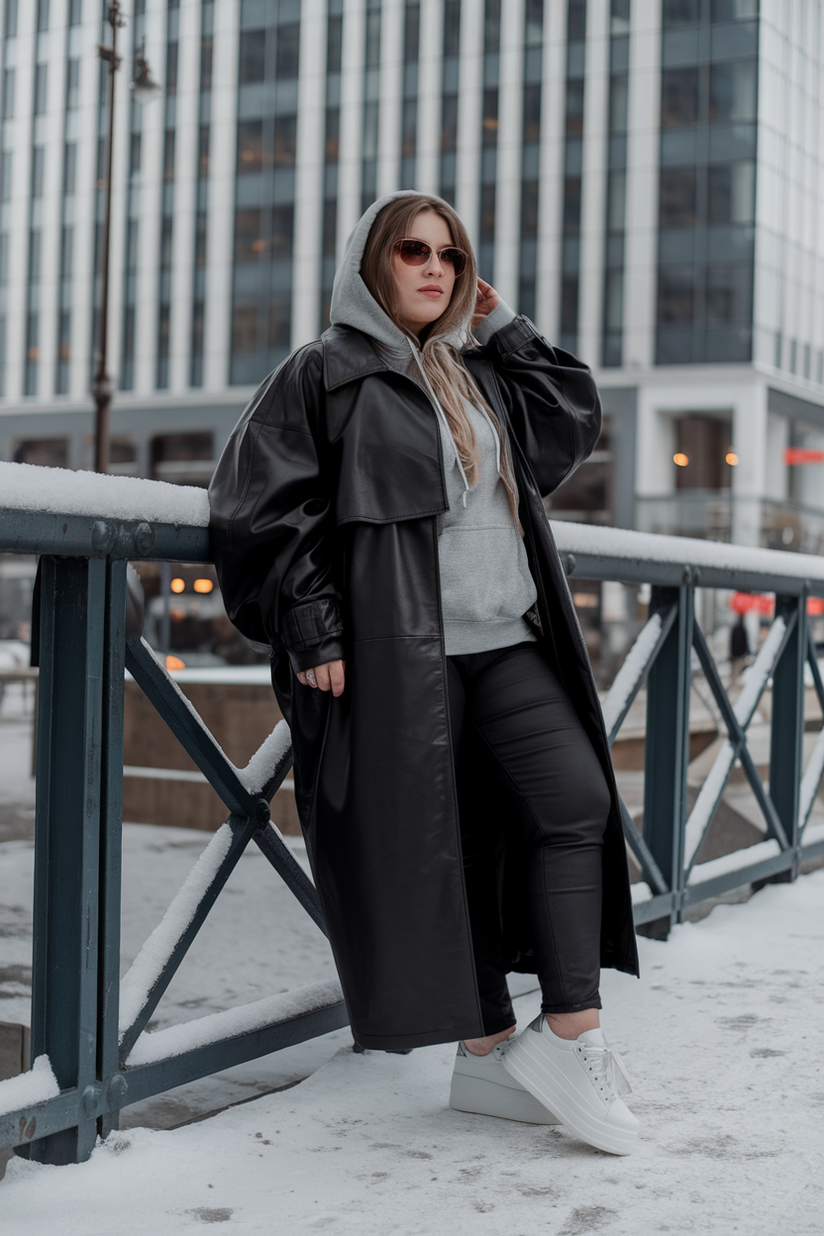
(92, 1026)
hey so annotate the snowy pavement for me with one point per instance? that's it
(722, 1037)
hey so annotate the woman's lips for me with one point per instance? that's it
(431, 291)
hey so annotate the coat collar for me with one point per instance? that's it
(348, 354)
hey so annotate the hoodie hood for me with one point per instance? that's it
(354, 305)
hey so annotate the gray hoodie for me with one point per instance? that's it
(486, 586)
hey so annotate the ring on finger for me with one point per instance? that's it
(310, 677)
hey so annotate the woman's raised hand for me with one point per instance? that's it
(327, 677)
(485, 301)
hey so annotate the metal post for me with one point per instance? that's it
(67, 841)
(787, 726)
(111, 833)
(667, 745)
(102, 388)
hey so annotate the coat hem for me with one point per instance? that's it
(423, 1038)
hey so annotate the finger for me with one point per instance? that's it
(301, 677)
(322, 677)
(337, 676)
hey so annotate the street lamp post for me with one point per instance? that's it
(144, 88)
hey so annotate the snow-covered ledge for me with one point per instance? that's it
(56, 491)
(26, 487)
(592, 540)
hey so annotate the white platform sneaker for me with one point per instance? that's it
(480, 1084)
(581, 1080)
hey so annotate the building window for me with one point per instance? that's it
(706, 187)
(573, 155)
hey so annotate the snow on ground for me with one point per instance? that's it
(722, 1039)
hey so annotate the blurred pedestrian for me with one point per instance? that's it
(377, 518)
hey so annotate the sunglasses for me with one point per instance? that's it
(418, 253)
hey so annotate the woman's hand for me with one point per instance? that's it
(327, 677)
(487, 299)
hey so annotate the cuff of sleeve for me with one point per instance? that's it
(313, 633)
(500, 316)
(328, 649)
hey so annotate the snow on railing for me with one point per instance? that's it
(652, 548)
(150, 962)
(626, 680)
(215, 1027)
(57, 491)
(29, 1088)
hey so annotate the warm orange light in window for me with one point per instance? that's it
(173, 663)
(177, 585)
(732, 458)
(203, 585)
(680, 459)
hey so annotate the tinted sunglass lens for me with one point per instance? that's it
(414, 252)
(456, 259)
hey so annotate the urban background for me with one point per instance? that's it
(641, 177)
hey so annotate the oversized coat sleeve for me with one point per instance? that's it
(272, 525)
(553, 402)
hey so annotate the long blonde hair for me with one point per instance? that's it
(441, 358)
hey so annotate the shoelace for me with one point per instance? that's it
(606, 1070)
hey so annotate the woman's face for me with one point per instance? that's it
(424, 292)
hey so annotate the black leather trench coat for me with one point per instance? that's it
(324, 530)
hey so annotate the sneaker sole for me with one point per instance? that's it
(482, 1097)
(531, 1068)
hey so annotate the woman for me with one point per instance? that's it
(377, 519)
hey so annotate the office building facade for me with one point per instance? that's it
(643, 178)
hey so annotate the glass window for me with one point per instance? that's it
(69, 168)
(532, 113)
(372, 53)
(206, 58)
(66, 253)
(287, 57)
(529, 209)
(42, 14)
(576, 20)
(679, 97)
(37, 168)
(285, 140)
(11, 19)
(533, 22)
(676, 294)
(169, 154)
(171, 69)
(5, 175)
(616, 201)
(334, 44)
(677, 204)
(283, 218)
(249, 242)
(75, 12)
(409, 126)
(490, 118)
(575, 107)
(332, 134)
(680, 12)
(618, 102)
(72, 85)
(451, 28)
(203, 151)
(249, 146)
(8, 94)
(41, 77)
(572, 206)
(252, 56)
(731, 193)
(569, 304)
(729, 292)
(35, 251)
(619, 17)
(449, 122)
(411, 30)
(734, 10)
(492, 25)
(732, 91)
(47, 452)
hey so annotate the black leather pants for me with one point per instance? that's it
(556, 799)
